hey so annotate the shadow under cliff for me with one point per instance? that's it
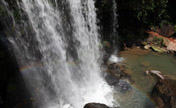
(13, 91)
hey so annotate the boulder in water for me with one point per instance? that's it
(95, 105)
(164, 93)
(118, 72)
(123, 86)
(117, 78)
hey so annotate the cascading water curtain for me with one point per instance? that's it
(58, 52)
(114, 34)
(114, 26)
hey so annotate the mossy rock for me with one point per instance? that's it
(157, 49)
(158, 40)
(174, 28)
(2, 10)
(166, 42)
(144, 43)
(106, 44)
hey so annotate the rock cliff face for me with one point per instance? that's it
(164, 93)
(13, 91)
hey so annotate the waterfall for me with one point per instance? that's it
(114, 33)
(59, 53)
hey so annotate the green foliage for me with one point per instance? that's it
(1, 10)
(137, 16)
(16, 14)
(164, 22)
(104, 2)
(147, 12)
(151, 12)
(158, 41)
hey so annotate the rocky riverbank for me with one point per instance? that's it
(132, 71)
(162, 40)
(155, 52)
(162, 92)
(159, 43)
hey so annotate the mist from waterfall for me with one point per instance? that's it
(59, 54)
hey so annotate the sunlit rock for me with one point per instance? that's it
(147, 47)
(172, 46)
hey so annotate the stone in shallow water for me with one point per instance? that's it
(164, 93)
(123, 86)
(117, 78)
(120, 85)
(115, 71)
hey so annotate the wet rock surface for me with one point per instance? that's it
(13, 91)
(95, 105)
(117, 78)
(117, 71)
(123, 86)
(164, 93)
